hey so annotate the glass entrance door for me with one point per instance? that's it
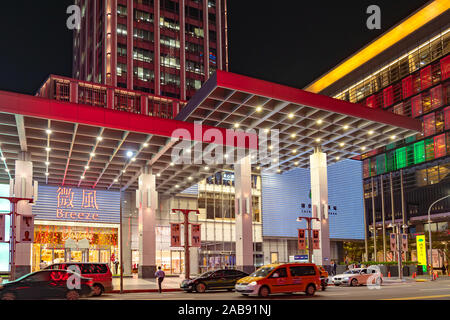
(76, 256)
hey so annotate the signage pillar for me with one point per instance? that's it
(23, 188)
(243, 211)
(319, 199)
(147, 224)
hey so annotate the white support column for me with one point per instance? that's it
(23, 188)
(319, 200)
(194, 267)
(243, 211)
(147, 225)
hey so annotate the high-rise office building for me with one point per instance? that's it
(164, 47)
(405, 71)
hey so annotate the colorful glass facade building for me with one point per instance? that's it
(412, 78)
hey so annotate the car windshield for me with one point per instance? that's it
(351, 272)
(262, 272)
(206, 274)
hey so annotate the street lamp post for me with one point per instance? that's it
(308, 223)
(396, 229)
(187, 259)
(429, 231)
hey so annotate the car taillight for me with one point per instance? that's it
(90, 282)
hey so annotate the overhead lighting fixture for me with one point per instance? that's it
(48, 131)
(172, 164)
(275, 160)
(258, 109)
(7, 170)
(293, 135)
(124, 171)
(99, 138)
(86, 167)
(237, 125)
(188, 150)
(92, 154)
(279, 171)
(225, 156)
(291, 116)
(294, 151)
(270, 148)
(363, 148)
(393, 137)
(258, 168)
(129, 154)
(206, 168)
(145, 145)
(371, 132)
(337, 158)
(116, 180)
(320, 121)
(48, 149)
(158, 175)
(177, 186)
(133, 159)
(3, 159)
(346, 127)
(47, 163)
(266, 130)
(190, 178)
(341, 144)
(47, 174)
(296, 163)
(318, 140)
(82, 177)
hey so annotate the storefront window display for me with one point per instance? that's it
(50, 244)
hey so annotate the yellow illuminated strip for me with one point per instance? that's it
(387, 40)
(421, 298)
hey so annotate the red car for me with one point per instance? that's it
(99, 273)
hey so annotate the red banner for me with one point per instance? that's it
(301, 239)
(2, 227)
(175, 234)
(26, 229)
(404, 242)
(316, 240)
(196, 235)
(393, 242)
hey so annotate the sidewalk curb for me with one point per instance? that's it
(145, 290)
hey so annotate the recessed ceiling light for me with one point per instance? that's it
(124, 171)
(86, 167)
(190, 178)
(275, 160)
(371, 132)
(158, 174)
(48, 149)
(258, 109)
(92, 154)
(320, 121)
(258, 168)
(393, 137)
(342, 144)
(318, 140)
(3, 159)
(116, 180)
(48, 131)
(294, 151)
(363, 148)
(346, 127)
(177, 186)
(47, 163)
(145, 145)
(293, 135)
(270, 148)
(237, 125)
(172, 164)
(133, 159)
(188, 150)
(206, 168)
(7, 170)
(47, 174)
(296, 163)
(129, 154)
(291, 116)
(99, 138)
(278, 170)
(337, 158)
(225, 156)
(266, 130)
(82, 177)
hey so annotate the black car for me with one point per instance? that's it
(47, 284)
(213, 280)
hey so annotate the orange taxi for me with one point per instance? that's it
(281, 278)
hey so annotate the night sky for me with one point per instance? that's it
(290, 42)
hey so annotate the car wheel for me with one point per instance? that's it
(337, 284)
(8, 296)
(200, 287)
(354, 283)
(97, 290)
(72, 295)
(310, 290)
(264, 292)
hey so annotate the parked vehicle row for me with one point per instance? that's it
(60, 281)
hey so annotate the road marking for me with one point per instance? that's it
(419, 298)
(435, 289)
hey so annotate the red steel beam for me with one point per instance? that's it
(14, 103)
(284, 93)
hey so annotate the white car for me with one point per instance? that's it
(359, 276)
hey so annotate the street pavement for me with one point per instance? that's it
(392, 290)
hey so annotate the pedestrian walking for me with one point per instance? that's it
(334, 268)
(160, 276)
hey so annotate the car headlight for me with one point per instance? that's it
(346, 278)
(253, 283)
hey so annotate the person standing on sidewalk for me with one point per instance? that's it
(160, 276)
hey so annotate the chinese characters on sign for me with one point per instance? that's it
(301, 239)
(175, 235)
(196, 235)
(65, 205)
(421, 251)
(316, 241)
